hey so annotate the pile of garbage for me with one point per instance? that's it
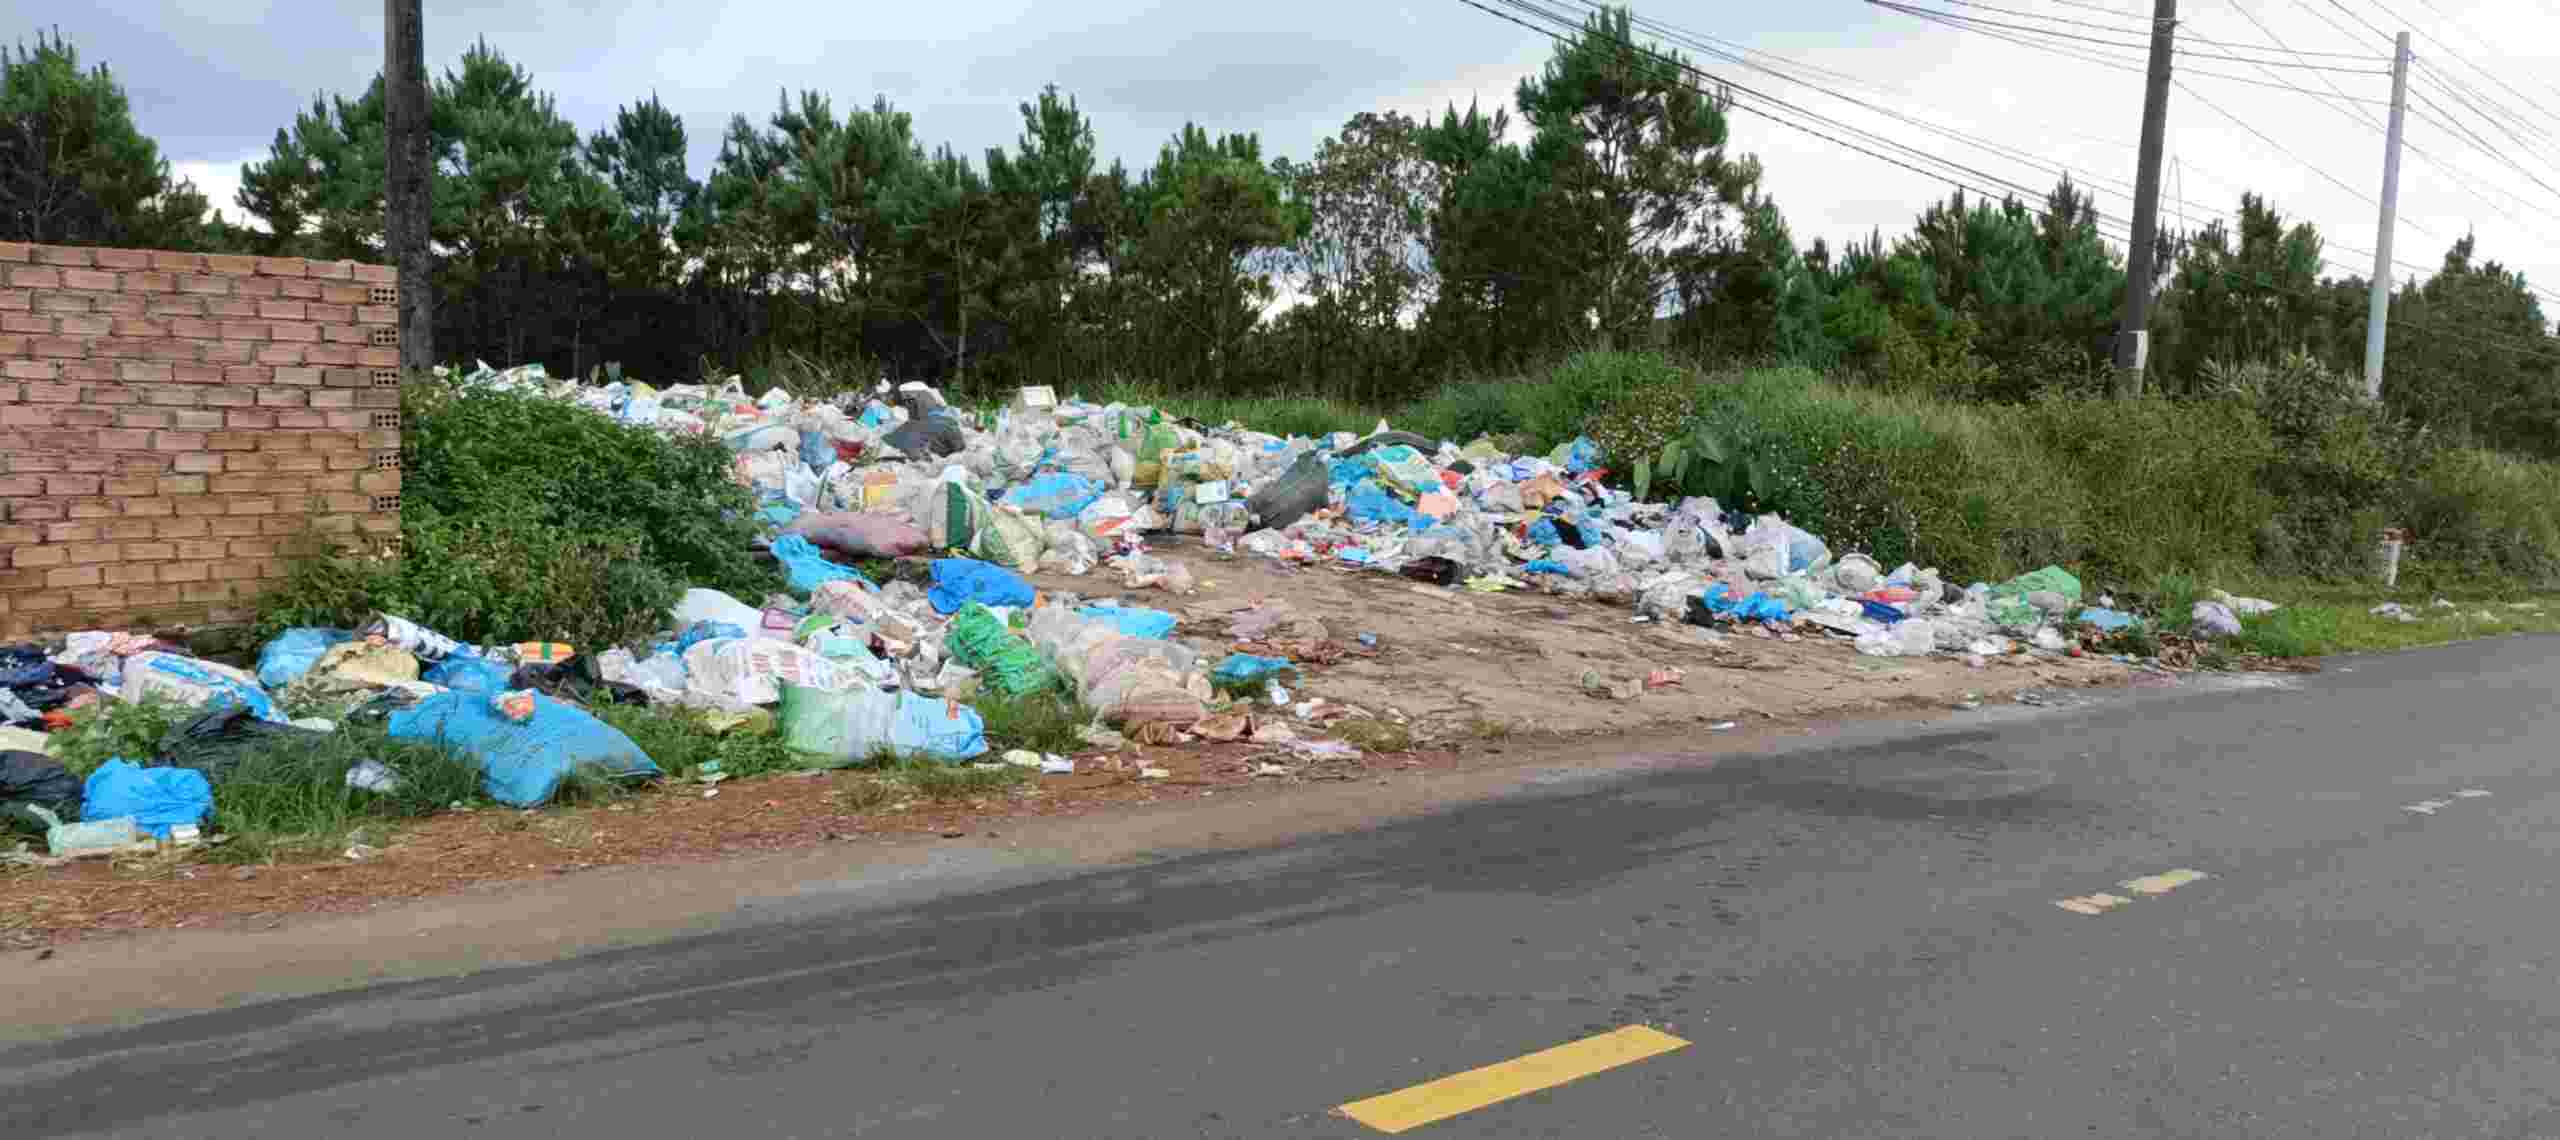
(848, 670)
(1073, 487)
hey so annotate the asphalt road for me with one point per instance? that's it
(1859, 939)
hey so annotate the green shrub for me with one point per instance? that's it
(491, 579)
(2163, 485)
(479, 457)
(2476, 514)
(111, 729)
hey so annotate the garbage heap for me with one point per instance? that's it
(849, 670)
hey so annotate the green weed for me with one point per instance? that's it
(111, 729)
(1041, 722)
(291, 799)
(681, 742)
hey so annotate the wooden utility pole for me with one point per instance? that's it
(2133, 338)
(406, 176)
(2379, 312)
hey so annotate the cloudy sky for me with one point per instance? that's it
(213, 79)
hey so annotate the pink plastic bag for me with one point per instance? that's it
(861, 534)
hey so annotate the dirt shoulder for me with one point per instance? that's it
(1458, 684)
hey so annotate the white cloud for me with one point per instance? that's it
(219, 180)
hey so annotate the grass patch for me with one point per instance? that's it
(2294, 631)
(681, 741)
(1041, 722)
(1370, 734)
(289, 801)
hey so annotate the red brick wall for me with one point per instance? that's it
(170, 421)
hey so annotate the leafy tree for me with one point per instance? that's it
(2250, 293)
(1209, 218)
(1360, 265)
(75, 170)
(955, 254)
(1496, 301)
(1630, 163)
(643, 159)
(2471, 351)
(1042, 185)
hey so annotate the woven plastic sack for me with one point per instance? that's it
(522, 764)
(1009, 539)
(1403, 467)
(978, 639)
(194, 683)
(851, 727)
(749, 670)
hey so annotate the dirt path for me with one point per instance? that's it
(1458, 660)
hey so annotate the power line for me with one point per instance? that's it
(2014, 189)
(2119, 63)
(2184, 37)
(2028, 29)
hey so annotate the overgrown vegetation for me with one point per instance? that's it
(528, 518)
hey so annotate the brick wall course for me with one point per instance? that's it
(170, 421)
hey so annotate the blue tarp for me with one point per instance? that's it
(284, 660)
(156, 798)
(522, 765)
(960, 581)
(1133, 621)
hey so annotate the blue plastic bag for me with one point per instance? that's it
(1546, 566)
(1370, 503)
(1583, 456)
(779, 513)
(1057, 495)
(703, 631)
(2107, 619)
(522, 765)
(960, 581)
(157, 798)
(1544, 533)
(1349, 472)
(806, 569)
(1133, 621)
(467, 673)
(292, 653)
(1243, 670)
(1758, 607)
(1889, 615)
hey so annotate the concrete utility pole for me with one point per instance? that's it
(2133, 338)
(2378, 314)
(405, 176)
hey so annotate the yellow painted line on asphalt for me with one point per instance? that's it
(1410, 1108)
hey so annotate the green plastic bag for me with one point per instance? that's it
(2009, 599)
(979, 640)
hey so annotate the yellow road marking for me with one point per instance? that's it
(1411, 1108)
(2163, 883)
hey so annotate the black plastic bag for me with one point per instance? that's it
(929, 436)
(214, 742)
(35, 778)
(1433, 569)
(1294, 495)
(576, 678)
